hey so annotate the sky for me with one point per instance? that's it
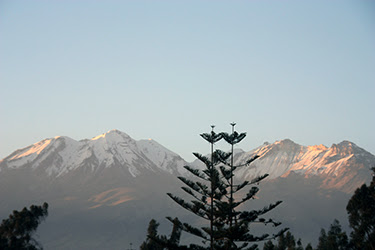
(168, 70)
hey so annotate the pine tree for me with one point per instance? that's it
(284, 242)
(281, 243)
(309, 247)
(299, 245)
(213, 199)
(335, 239)
(161, 242)
(152, 233)
(16, 231)
(361, 210)
(290, 241)
(269, 246)
(322, 240)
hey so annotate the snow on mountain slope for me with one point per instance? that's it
(343, 166)
(273, 159)
(161, 156)
(60, 155)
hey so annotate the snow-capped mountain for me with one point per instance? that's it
(61, 155)
(103, 191)
(343, 166)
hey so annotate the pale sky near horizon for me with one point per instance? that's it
(167, 70)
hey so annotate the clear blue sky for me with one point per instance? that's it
(167, 70)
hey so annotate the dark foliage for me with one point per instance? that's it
(285, 242)
(361, 210)
(157, 242)
(152, 233)
(213, 200)
(16, 231)
(335, 239)
(309, 247)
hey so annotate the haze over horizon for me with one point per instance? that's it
(168, 70)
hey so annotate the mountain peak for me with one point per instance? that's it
(60, 155)
(284, 145)
(347, 144)
(285, 142)
(34, 149)
(111, 133)
(346, 147)
(338, 164)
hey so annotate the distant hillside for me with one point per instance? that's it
(103, 191)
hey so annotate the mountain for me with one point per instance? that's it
(103, 191)
(343, 166)
(98, 189)
(61, 155)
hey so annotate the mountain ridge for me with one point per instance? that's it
(103, 191)
(342, 161)
(342, 166)
(111, 148)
